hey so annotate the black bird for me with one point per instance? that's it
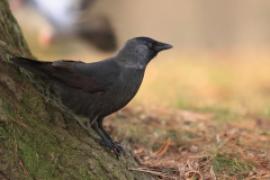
(96, 90)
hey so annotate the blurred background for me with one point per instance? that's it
(203, 110)
(220, 58)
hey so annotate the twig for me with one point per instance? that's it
(164, 148)
(156, 173)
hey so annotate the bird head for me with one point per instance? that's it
(139, 51)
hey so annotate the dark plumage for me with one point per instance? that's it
(96, 90)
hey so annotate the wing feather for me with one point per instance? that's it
(88, 77)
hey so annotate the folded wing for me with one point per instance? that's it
(88, 77)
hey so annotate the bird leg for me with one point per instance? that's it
(106, 138)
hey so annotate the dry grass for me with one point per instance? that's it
(204, 118)
(188, 145)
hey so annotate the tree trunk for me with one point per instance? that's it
(37, 139)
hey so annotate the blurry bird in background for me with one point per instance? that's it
(67, 19)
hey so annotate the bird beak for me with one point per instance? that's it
(159, 46)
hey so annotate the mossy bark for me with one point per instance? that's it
(37, 139)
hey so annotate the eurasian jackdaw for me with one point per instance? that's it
(96, 90)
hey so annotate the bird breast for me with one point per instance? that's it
(124, 90)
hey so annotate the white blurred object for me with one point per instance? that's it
(66, 20)
(62, 13)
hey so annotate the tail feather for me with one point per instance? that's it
(34, 66)
(26, 62)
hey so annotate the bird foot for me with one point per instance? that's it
(118, 149)
(115, 147)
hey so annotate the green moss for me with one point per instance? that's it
(8, 109)
(3, 133)
(230, 165)
(34, 151)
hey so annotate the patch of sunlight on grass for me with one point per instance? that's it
(228, 86)
(220, 113)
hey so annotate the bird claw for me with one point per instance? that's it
(116, 148)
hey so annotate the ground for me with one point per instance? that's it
(212, 121)
(194, 145)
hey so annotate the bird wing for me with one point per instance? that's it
(88, 77)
